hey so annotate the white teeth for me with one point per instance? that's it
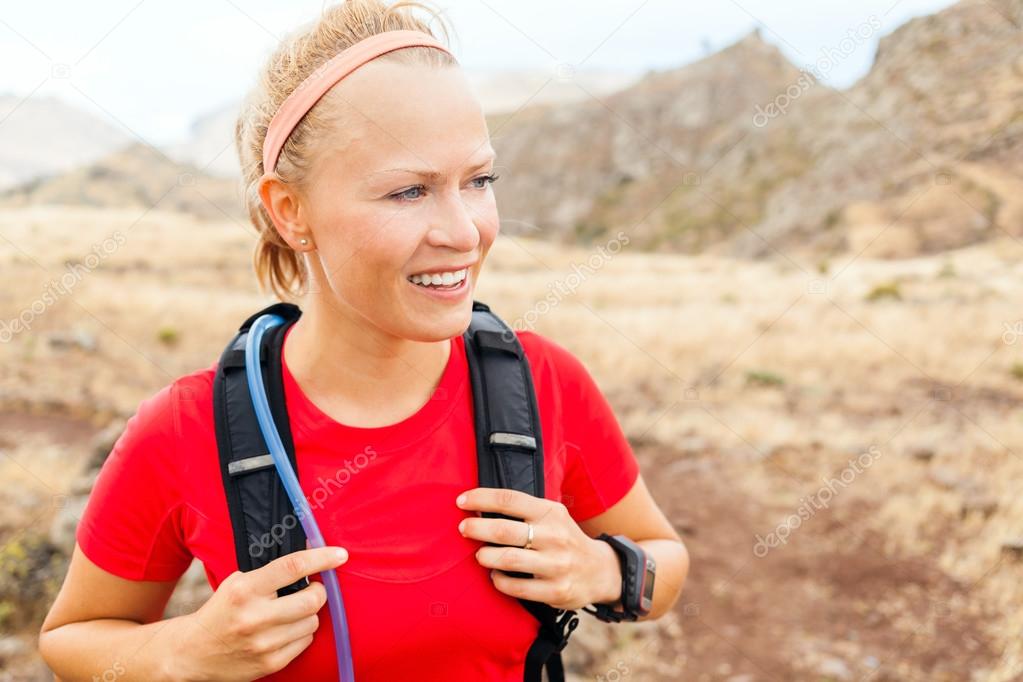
(441, 279)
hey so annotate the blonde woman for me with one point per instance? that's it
(382, 180)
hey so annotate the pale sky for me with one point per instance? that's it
(153, 66)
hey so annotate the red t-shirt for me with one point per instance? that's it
(419, 605)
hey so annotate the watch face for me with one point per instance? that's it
(648, 580)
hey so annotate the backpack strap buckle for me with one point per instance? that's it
(250, 464)
(564, 625)
(517, 439)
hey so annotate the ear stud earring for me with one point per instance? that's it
(303, 241)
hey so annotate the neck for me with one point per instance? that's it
(358, 374)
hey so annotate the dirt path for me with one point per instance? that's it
(832, 603)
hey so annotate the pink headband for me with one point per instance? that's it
(316, 85)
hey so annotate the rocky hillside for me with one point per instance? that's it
(922, 154)
(138, 176)
(580, 171)
(42, 136)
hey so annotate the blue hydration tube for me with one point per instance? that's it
(298, 500)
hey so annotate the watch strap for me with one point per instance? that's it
(606, 612)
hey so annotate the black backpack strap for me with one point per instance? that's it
(509, 451)
(556, 625)
(257, 502)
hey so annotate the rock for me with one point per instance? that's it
(923, 454)
(950, 479)
(834, 668)
(72, 339)
(1013, 548)
(25, 498)
(82, 485)
(65, 523)
(104, 442)
(11, 648)
(985, 505)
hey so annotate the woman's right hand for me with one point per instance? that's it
(245, 631)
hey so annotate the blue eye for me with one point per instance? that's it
(405, 197)
(488, 179)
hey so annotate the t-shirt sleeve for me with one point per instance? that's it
(600, 465)
(131, 525)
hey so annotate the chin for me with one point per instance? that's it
(427, 328)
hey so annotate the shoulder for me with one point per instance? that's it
(172, 412)
(547, 355)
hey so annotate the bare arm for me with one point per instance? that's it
(638, 517)
(100, 622)
(102, 625)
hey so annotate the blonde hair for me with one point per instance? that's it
(277, 266)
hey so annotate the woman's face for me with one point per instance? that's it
(376, 219)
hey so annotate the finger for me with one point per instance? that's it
(525, 588)
(506, 501)
(516, 560)
(291, 567)
(280, 636)
(290, 651)
(499, 531)
(298, 605)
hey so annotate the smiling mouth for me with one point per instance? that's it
(447, 281)
(453, 288)
(442, 287)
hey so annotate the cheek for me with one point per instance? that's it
(362, 250)
(488, 222)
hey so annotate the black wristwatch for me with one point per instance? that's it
(638, 571)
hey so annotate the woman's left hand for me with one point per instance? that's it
(570, 569)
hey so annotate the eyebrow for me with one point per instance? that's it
(432, 175)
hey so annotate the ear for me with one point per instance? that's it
(282, 203)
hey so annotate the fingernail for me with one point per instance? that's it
(342, 554)
(461, 527)
(461, 500)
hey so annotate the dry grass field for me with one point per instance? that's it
(860, 416)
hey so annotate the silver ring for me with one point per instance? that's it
(529, 537)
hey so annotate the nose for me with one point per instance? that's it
(454, 225)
